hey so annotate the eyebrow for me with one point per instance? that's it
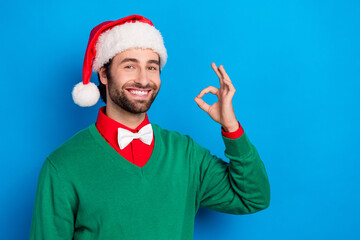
(137, 61)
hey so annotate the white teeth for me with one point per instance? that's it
(139, 93)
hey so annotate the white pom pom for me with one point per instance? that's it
(85, 95)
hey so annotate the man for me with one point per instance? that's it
(124, 178)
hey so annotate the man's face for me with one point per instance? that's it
(134, 80)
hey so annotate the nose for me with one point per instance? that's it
(143, 77)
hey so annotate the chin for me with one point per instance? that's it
(131, 105)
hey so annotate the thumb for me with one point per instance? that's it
(202, 104)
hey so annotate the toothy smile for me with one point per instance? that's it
(139, 92)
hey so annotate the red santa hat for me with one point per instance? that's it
(108, 39)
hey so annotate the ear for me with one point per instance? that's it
(103, 77)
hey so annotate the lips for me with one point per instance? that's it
(138, 92)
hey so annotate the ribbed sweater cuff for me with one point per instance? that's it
(237, 147)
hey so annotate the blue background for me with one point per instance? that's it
(296, 68)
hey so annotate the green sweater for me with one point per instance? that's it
(87, 191)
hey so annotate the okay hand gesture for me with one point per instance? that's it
(222, 111)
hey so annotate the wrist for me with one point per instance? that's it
(231, 128)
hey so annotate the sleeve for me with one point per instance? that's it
(232, 135)
(238, 187)
(55, 206)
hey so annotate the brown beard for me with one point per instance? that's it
(118, 96)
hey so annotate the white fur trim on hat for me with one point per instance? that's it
(85, 95)
(128, 36)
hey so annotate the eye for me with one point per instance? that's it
(152, 68)
(129, 67)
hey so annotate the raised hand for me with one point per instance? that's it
(222, 111)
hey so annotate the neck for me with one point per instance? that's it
(131, 120)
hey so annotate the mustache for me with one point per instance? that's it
(140, 86)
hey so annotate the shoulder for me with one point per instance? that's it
(167, 135)
(171, 137)
(74, 148)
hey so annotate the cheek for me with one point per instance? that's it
(122, 77)
(156, 79)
